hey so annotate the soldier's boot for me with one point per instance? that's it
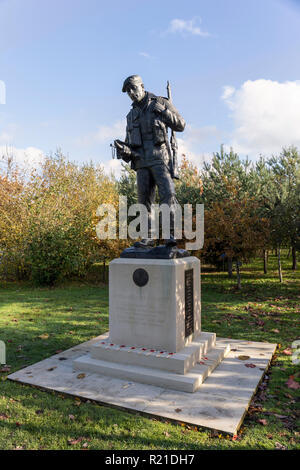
(170, 242)
(145, 243)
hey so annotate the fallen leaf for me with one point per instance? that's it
(279, 446)
(275, 330)
(5, 369)
(178, 410)
(243, 358)
(39, 412)
(264, 422)
(291, 383)
(167, 434)
(72, 442)
(250, 365)
(77, 441)
(3, 416)
(71, 417)
(80, 376)
(51, 368)
(287, 352)
(44, 336)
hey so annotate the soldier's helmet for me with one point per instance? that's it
(132, 80)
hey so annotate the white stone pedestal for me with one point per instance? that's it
(153, 316)
(155, 332)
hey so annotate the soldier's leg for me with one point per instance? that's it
(166, 191)
(146, 192)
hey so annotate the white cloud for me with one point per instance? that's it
(28, 157)
(113, 166)
(185, 147)
(193, 139)
(199, 134)
(228, 91)
(145, 54)
(7, 134)
(105, 133)
(185, 27)
(266, 116)
(2, 92)
(5, 137)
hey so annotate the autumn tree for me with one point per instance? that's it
(234, 228)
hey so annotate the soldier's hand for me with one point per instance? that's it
(126, 150)
(122, 149)
(118, 145)
(158, 108)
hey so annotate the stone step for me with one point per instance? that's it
(189, 382)
(180, 362)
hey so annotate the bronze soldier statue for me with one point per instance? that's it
(148, 149)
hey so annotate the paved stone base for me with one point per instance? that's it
(185, 370)
(220, 403)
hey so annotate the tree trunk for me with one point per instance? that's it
(229, 264)
(279, 264)
(265, 261)
(103, 274)
(238, 275)
(294, 257)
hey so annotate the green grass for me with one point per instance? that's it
(67, 315)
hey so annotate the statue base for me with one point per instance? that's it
(155, 332)
(157, 252)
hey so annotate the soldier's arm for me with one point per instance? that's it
(170, 115)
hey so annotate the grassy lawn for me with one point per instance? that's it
(36, 323)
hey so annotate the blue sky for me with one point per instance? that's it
(233, 65)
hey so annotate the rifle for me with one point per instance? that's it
(173, 142)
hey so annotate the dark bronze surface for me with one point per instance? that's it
(140, 277)
(148, 149)
(158, 252)
(189, 301)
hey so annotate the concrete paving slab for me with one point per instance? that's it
(220, 403)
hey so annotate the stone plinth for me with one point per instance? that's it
(155, 332)
(154, 315)
(184, 371)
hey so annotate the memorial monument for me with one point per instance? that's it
(155, 334)
(155, 358)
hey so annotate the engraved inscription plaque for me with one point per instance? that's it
(189, 301)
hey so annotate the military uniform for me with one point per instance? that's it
(147, 136)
